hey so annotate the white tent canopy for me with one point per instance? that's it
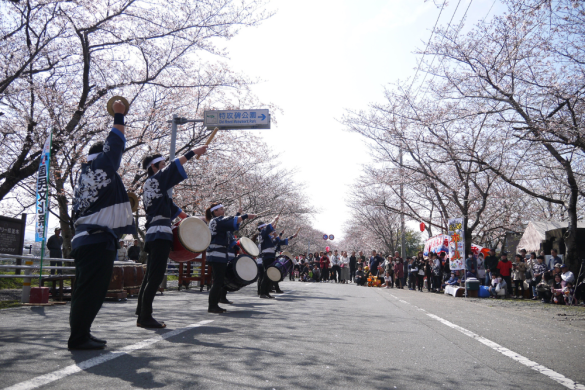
(535, 233)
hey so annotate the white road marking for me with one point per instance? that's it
(560, 378)
(75, 368)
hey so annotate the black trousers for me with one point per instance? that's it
(266, 282)
(156, 265)
(420, 279)
(260, 277)
(411, 280)
(336, 273)
(93, 271)
(508, 280)
(324, 273)
(56, 264)
(351, 274)
(217, 291)
(519, 285)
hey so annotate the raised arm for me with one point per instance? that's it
(119, 110)
(197, 151)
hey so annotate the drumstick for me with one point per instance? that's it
(278, 216)
(213, 133)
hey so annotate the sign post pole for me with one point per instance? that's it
(48, 160)
(42, 209)
(175, 122)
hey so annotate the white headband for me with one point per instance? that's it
(219, 206)
(263, 225)
(92, 156)
(158, 159)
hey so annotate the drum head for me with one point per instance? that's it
(249, 246)
(287, 254)
(274, 274)
(246, 268)
(194, 234)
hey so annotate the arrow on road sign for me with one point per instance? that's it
(262, 117)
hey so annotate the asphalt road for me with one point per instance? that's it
(316, 336)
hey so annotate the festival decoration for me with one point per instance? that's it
(457, 245)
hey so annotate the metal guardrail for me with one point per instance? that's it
(29, 267)
(26, 257)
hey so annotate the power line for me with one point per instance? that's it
(463, 18)
(428, 43)
(490, 10)
(448, 26)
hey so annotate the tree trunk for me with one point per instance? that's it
(67, 229)
(571, 235)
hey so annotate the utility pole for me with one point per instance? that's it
(402, 227)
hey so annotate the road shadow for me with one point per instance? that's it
(125, 368)
(39, 310)
(244, 313)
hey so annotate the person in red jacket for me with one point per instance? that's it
(505, 269)
(324, 263)
(399, 272)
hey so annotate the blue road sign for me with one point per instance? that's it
(237, 119)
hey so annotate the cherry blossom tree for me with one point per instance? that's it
(64, 59)
(495, 133)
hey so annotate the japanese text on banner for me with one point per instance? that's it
(42, 203)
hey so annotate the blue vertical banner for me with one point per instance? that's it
(42, 204)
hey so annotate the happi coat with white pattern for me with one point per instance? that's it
(222, 239)
(101, 209)
(159, 206)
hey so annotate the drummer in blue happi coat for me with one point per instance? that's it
(160, 212)
(268, 243)
(101, 214)
(220, 250)
(280, 242)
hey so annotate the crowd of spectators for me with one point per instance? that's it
(525, 276)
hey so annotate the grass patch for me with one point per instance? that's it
(16, 283)
(172, 277)
(7, 304)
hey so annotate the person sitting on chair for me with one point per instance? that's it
(453, 280)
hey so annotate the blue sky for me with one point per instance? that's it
(317, 58)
